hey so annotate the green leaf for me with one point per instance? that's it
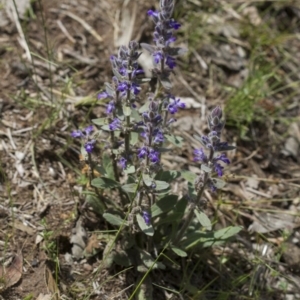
(99, 121)
(135, 116)
(227, 232)
(175, 140)
(189, 176)
(163, 205)
(108, 165)
(126, 110)
(147, 229)
(208, 239)
(114, 219)
(218, 183)
(130, 187)
(130, 169)
(178, 251)
(88, 100)
(145, 107)
(145, 290)
(149, 262)
(105, 128)
(121, 258)
(95, 203)
(147, 180)
(134, 138)
(176, 214)
(205, 168)
(167, 176)
(104, 183)
(203, 219)
(161, 185)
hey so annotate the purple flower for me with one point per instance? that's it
(154, 156)
(88, 130)
(123, 87)
(173, 24)
(142, 152)
(153, 14)
(170, 62)
(147, 217)
(200, 155)
(135, 88)
(89, 146)
(110, 107)
(175, 105)
(103, 95)
(77, 133)
(157, 56)
(82, 133)
(222, 158)
(219, 169)
(115, 124)
(158, 137)
(212, 187)
(123, 162)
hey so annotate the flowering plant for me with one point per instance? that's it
(151, 220)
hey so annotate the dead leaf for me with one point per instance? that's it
(78, 239)
(267, 222)
(44, 297)
(10, 275)
(51, 284)
(19, 225)
(92, 245)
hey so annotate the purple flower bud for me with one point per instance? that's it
(170, 62)
(157, 56)
(142, 152)
(222, 158)
(103, 95)
(135, 88)
(158, 137)
(115, 124)
(218, 169)
(173, 24)
(147, 217)
(123, 162)
(200, 155)
(110, 107)
(77, 134)
(88, 130)
(154, 156)
(174, 105)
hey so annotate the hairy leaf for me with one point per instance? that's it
(178, 251)
(99, 121)
(163, 205)
(130, 187)
(175, 140)
(189, 176)
(161, 185)
(203, 219)
(126, 110)
(148, 47)
(104, 183)
(149, 261)
(108, 165)
(218, 183)
(114, 219)
(167, 176)
(147, 180)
